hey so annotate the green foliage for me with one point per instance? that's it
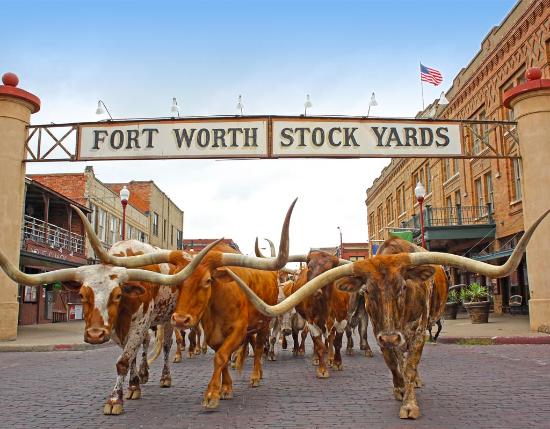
(453, 297)
(474, 293)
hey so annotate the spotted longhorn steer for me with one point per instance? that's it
(121, 303)
(401, 299)
(210, 296)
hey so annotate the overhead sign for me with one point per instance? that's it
(268, 137)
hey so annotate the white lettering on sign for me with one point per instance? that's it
(174, 139)
(368, 138)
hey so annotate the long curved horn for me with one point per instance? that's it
(158, 257)
(288, 303)
(13, 273)
(271, 247)
(268, 264)
(167, 279)
(494, 271)
(303, 258)
(259, 253)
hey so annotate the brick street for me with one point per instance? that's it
(466, 387)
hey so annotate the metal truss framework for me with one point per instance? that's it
(480, 140)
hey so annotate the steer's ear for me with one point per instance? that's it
(72, 286)
(419, 273)
(132, 289)
(222, 275)
(348, 284)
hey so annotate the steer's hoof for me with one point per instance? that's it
(301, 352)
(418, 382)
(226, 393)
(349, 352)
(338, 366)
(113, 409)
(254, 382)
(177, 359)
(409, 411)
(322, 373)
(315, 361)
(133, 392)
(271, 357)
(211, 403)
(398, 393)
(165, 382)
(369, 353)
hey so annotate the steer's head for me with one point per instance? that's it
(393, 295)
(103, 289)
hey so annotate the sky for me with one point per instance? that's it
(137, 55)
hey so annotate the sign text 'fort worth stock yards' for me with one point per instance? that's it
(268, 137)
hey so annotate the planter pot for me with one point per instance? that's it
(451, 308)
(478, 311)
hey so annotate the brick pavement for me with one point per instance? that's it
(470, 387)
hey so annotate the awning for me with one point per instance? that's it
(494, 255)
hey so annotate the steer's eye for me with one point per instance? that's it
(116, 297)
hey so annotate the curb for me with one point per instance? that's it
(52, 347)
(494, 341)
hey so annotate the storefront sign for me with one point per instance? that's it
(268, 137)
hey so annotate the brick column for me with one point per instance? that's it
(16, 106)
(531, 104)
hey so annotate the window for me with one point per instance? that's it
(403, 202)
(172, 235)
(93, 216)
(517, 79)
(164, 230)
(179, 235)
(449, 216)
(479, 196)
(144, 238)
(447, 174)
(389, 209)
(516, 179)
(371, 225)
(113, 230)
(379, 217)
(457, 198)
(356, 258)
(480, 133)
(428, 179)
(101, 215)
(129, 232)
(489, 192)
(155, 223)
(456, 167)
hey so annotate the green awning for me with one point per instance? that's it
(404, 235)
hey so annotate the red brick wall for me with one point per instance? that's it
(140, 193)
(70, 185)
(355, 249)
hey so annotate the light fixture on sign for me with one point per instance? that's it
(442, 99)
(174, 109)
(240, 105)
(307, 104)
(100, 111)
(372, 103)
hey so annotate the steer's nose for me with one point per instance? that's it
(390, 339)
(96, 335)
(182, 321)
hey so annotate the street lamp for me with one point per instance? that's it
(124, 197)
(100, 111)
(341, 245)
(420, 194)
(240, 105)
(174, 109)
(307, 105)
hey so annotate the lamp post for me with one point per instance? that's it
(100, 111)
(240, 105)
(341, 245)
(124, 197)
(420, 193)
(174, 109)
(307, 105)
(372, 103)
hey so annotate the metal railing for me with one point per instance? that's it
(450, 216)
(52, 235)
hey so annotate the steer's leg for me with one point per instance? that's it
(227, 384)
(319, 349)
(257, 372)
(144, 366)
(180, 344)
(221, 359)
(330, 347)
(192, 342)
(134, 391)
(339, 328)
(410, 409)
(274, 332)
(363, 334)
(302, 348)
(392, 363)
(349, 340)
(165, 378)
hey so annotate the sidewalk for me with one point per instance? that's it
(501, 329)
(50, 337)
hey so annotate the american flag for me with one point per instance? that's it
(430, 75)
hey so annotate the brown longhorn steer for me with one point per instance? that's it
(121, 303)
(210, 296)
(400, 301)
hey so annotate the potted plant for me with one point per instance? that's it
(476, 301)
(451, 307)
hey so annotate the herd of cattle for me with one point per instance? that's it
(234, 301)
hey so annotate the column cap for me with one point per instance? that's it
(534, 83)
(10, 81)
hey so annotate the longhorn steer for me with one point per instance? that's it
(122, 304)
(229, 321)
(401, 301)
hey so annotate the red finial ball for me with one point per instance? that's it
(533, 73)
(10, 79)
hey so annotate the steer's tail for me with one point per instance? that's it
(159, 340)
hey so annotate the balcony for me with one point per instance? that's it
(59, 240)
(454, 223)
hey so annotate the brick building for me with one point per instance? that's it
(165, 218)
(197, 244)
(473, 207)
(52, 237)
(355, 251)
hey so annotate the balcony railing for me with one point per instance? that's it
(52, 235)
(452, 216)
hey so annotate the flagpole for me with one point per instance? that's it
(422, 86)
